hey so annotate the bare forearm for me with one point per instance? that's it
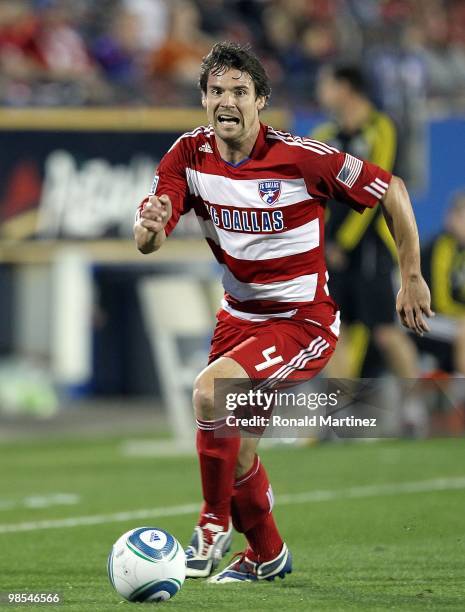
(147, 241)
(399, 216)
(413, 301)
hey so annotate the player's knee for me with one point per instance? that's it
(203, 398)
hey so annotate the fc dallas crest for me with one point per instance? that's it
(269, 191)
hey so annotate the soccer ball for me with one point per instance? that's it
(147, 564)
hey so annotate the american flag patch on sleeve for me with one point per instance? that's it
(350, 170)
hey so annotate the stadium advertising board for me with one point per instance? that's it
(69, 183)
(79, 174)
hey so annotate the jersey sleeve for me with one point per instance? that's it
(170, 179)
(343, 177)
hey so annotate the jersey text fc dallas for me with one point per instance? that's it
(263, 218)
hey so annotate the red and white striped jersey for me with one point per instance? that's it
(263, 218)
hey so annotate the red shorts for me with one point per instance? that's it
(284, 350)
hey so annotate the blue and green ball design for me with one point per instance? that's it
(141, 549)
(157, 590)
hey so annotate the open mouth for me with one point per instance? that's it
(227, 119)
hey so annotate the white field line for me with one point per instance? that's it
(41, 501)
(396, 488)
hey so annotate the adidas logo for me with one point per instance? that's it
(206, 148)
(154, 537)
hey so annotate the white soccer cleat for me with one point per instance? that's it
(208, 546)
(245, 570)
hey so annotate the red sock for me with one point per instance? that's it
(251, 507)
(264, 540)
(217, 458)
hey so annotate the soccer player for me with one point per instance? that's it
(259, 195)
(360, 252)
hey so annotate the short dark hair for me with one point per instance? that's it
(351, 74)
(226, 55)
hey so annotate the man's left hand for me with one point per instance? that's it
(414, 304)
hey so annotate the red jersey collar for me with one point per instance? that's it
(256, 149)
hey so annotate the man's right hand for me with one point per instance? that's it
(149, 228)
(156, 214)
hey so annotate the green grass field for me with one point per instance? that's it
(377, 526)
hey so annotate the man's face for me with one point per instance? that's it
(331, 93)
(231, 104)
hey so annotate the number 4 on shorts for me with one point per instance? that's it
(269, 361)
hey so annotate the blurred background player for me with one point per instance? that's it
(359, 248)
(443, 263)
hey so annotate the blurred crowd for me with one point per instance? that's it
(139, 52)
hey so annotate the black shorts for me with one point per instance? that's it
(370, 301)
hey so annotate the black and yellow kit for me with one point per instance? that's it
(443, 266)
(443, 263)
(363, 289)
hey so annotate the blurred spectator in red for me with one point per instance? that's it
(44, 56)
(61, 48)
(19, 55)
